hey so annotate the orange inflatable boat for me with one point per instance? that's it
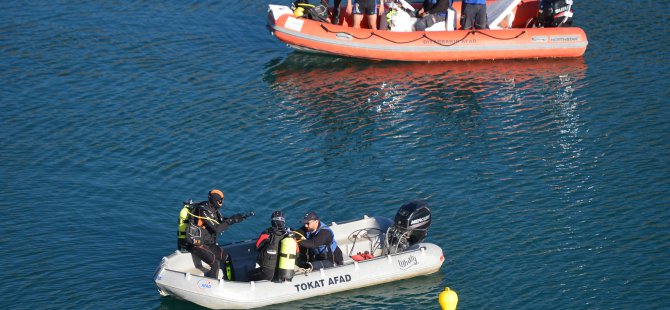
(509, 37)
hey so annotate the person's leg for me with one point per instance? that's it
(261, 273)
(358, 14)
(221, 257)
(339, 257)
(336, 12)
(481, 21)
(468, 15)
(428, 21)
(358, 18)
(321, 264)
(372, 21)
(422, 23)
(371, 12)
(204, 254)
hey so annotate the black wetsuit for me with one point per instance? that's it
(268, 248)
(213, 223)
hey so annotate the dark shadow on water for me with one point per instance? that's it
(171, 303)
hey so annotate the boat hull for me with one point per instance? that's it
(457, 45)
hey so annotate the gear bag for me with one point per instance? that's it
(317, 12)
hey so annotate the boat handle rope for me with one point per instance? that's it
(349, 34)
(472, 32)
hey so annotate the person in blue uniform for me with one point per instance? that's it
(318, 248)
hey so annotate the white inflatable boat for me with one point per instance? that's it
(397, 249)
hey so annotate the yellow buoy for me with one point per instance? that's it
(448, 299)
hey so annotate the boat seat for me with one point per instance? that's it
(500, 14)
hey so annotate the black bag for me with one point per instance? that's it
(319, 12)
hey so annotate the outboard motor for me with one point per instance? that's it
(410, 226)
(554, 13)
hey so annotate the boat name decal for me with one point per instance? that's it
(563, 9)
(408, 262)
(205, 284)
(450, 42)
(321, 283)
(564, 38)
(294, 23)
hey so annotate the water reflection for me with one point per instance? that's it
(510, 118)
(352, 93)
(315, 76)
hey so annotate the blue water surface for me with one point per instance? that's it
(548, 180)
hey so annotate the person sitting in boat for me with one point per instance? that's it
(210, 223)
(473, 14)
(268, 248)
(432, 12)
(363, 7)
(318, 248)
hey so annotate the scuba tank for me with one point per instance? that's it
(285, 269)
(188, 233)
(184, 218)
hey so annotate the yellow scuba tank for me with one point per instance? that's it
(285, 268)
(183, 225)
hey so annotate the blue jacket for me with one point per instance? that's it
(325, 250)
(474, 1)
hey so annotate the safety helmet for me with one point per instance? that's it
(215, 197)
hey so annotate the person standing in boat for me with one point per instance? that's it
(432, 12)
(361, 8)
(268, 248)
(318, 247)
(335, 20)
(473, 14)
(210, 223)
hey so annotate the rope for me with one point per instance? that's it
(472, 32)
(503, 39)
(202, 217)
